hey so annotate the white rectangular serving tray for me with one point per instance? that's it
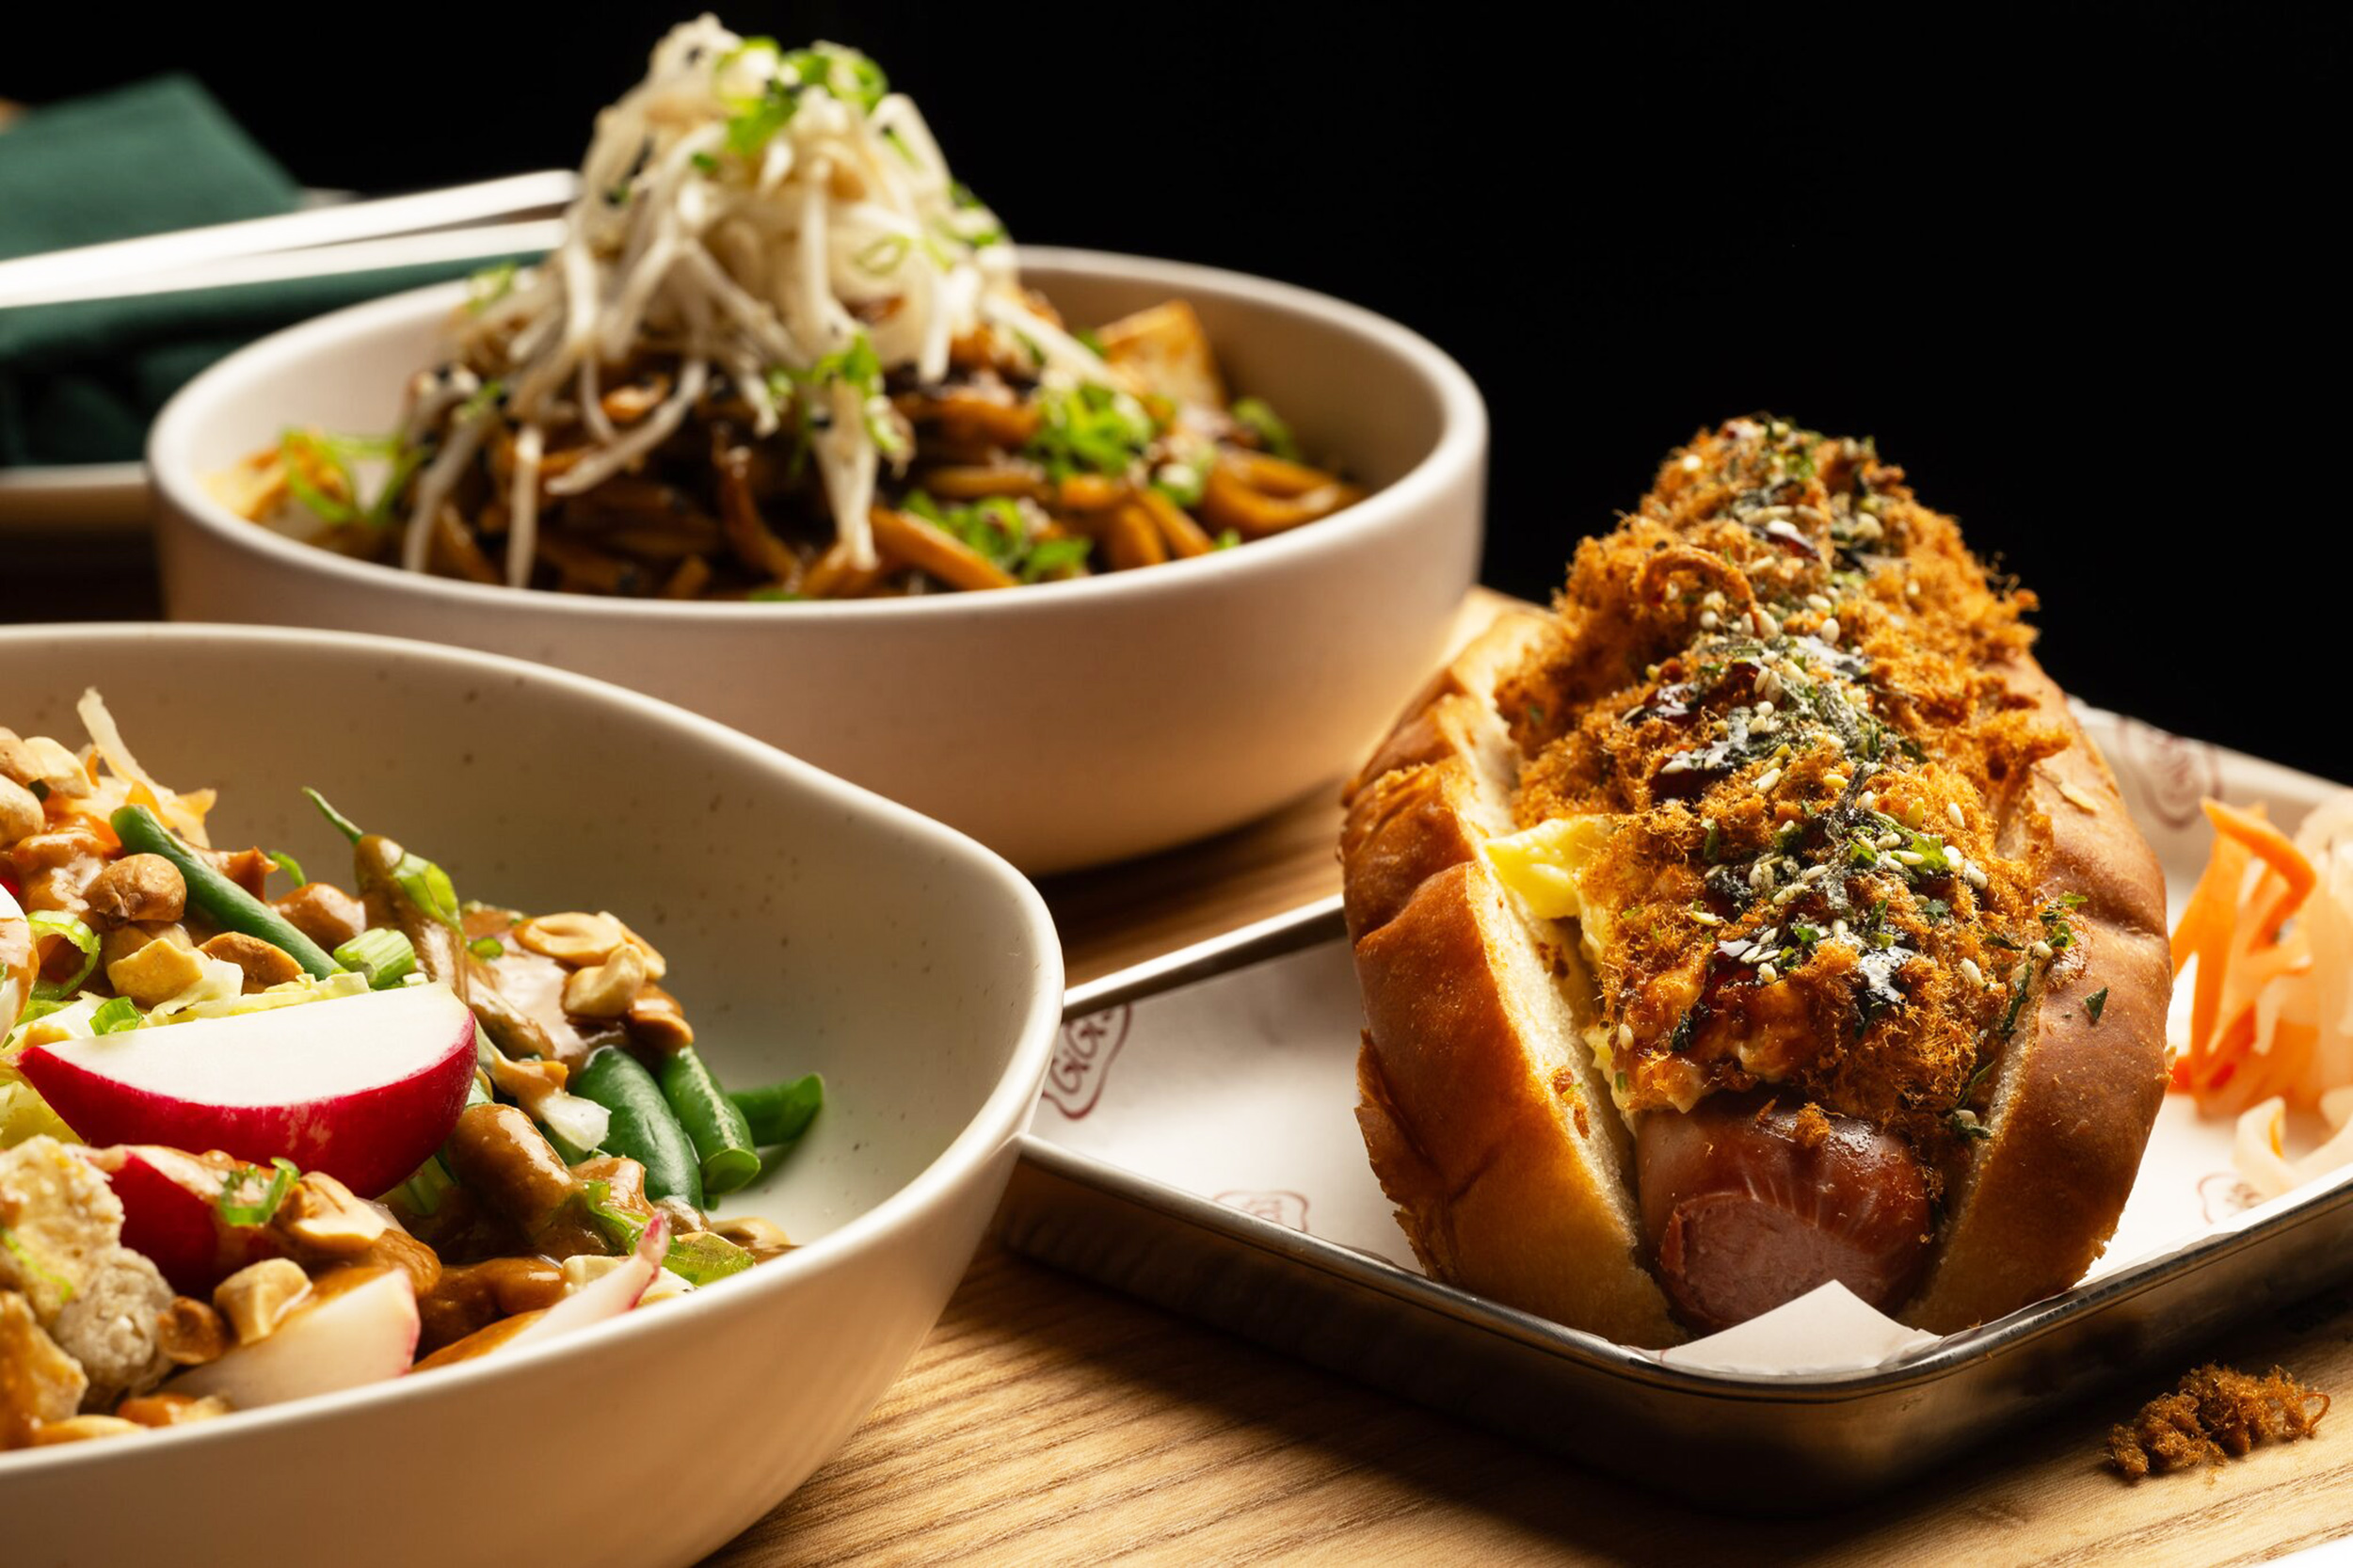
(1196, 1146)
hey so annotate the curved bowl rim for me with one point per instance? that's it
(1460, 449)
(995, 1124)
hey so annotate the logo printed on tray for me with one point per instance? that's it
(2223, 1195)
(1284, 1208)
(1083, 1060)
(2171, 771)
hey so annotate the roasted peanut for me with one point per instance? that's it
(139, 887)
(38, 759)
(20, 812)
(573, 938)
(605, 990)
(256, 1299)
(191, 1333)
(656, 966)
(170, 1410)
(655, 1022)
(264, 966)
(81, 1428)
(158, 972)
(756, 1236)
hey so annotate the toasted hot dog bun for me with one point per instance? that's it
(1601, 1118)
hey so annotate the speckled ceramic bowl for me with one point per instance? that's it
(809, 926)
(1062, 725)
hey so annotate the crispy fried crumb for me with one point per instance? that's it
(2217, 1413)
(1779, 639)
(1811, 1128)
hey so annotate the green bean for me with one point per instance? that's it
(643, 1127)
(778, 1114)
(721, 1136)
(230, 906)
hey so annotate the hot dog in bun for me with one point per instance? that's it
(1760, 918)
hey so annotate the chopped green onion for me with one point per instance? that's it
(1226, 539)
(386, 956)
(703, 1256)
(115, 1016)
(880, 258)
(70, 929)
(422, 1192)
(487, 947)
(288, 864)
(1254, 415)
(1090, 429)
(2096, 1003)
(257, 1213)
(488, 286)
(1049, 556)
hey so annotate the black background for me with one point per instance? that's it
(2069, 267)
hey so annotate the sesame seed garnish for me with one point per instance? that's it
(1975, 874)
(1705, 918)
(1713, 599)
(1869, 800)
(1771, 776)
(1818, 602)
(2041, 950)
(1970, 972)
(1765, 706)
(1911, 858)
(1911, 588)
(1763, 621)
(1834, 782)
(1786, 894)
(1838, 928)
(1814, 873)
(1952, 810)
(1709, 620)
(1626, 1036)
(1763, 941)
(1767, 974)
(1887, 840)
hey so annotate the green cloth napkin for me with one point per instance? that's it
(80, 383)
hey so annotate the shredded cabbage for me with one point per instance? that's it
(776, 217)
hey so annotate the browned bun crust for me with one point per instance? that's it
(1485, 1117)
(2076, 1101)
(1490, 1129)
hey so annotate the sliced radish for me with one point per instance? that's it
(608, 1295)
(171, 1213)
(360, 1087)
(360, 1334)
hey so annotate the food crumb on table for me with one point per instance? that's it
(2217, 1412)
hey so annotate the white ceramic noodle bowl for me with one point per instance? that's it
(1063, 725)
(808, 925)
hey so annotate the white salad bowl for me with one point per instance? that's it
(809, 926)
(1065, 723)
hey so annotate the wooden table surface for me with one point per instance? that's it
(1048, 1419)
